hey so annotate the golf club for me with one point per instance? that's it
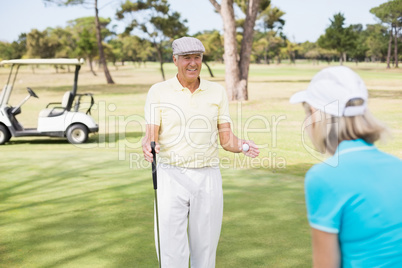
(155, 181)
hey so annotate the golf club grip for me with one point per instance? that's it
(154, 165)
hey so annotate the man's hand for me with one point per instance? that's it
(146, 149)
(231, 143)
(151, 134)
(253, 150)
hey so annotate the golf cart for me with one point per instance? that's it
(58, 119)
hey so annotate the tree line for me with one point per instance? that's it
(255, 36)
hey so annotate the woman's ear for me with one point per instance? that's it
(315, 116)
(312, 109)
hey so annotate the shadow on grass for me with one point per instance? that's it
(117, 136)
(41, 140)
(101, 215)
(265, 211)
(93, 139)
(78, 216)
(296, 170)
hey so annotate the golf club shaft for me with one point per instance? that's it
(155, 182)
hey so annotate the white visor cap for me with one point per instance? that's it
(331, 89)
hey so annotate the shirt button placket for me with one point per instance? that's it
(193, 102)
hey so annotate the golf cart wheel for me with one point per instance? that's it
(77, 133)
(5, 135)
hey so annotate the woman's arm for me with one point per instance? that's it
(326, 252)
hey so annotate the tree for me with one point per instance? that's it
(390, 13)
(237, 64)
(272, 23)
(268, 46)
(86, 45)
(117, 53)
(92, 4)
(260, 50)
(84, 31)
(155, 19)
(310, 51)
(136, 49)
(358, 52)
(15, 50)
(328, 54)
(19, 46)
(213, 43)
(41, 45)
(338, 37)
(67, 42)
(6, 51)
(290, 50)
(66, 47)
(272, 19)
(376, 41)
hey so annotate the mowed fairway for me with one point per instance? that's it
(91, 205)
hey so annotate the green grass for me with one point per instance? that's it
(92, 205)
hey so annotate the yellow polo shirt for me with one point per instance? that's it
(188, 122)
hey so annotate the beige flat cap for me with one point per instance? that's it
(187, 45)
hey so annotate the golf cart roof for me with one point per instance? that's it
(43, 61)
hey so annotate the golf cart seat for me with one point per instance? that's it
(58, 110)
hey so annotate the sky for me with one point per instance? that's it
(305, 20)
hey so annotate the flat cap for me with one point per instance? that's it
(187, 45)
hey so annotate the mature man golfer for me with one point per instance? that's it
(185, 115)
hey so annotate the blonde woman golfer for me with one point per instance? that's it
(354, 199)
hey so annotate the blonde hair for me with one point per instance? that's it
(328, 131)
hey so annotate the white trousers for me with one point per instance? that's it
(190, 204)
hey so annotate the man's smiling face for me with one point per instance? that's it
(189, 67)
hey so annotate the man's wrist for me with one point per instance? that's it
(239, 145)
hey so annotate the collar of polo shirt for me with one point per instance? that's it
(179, 87)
